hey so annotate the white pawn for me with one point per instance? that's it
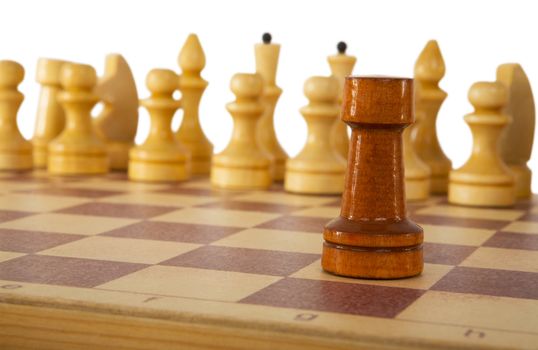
(318, 168)
(243, 164)
(77, 150)
(161, 157)
(484, 180)
(15, 151)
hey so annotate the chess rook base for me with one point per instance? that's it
(118, 153)
(362, 250)
(314, 183)
(158, 171)
(417, 189)
(15, 160)
(60, 164)
(523, 177)
(482, 195)
(439, 184)
(241, 178)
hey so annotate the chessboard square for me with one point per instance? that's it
(511, 240)
(251, 206)
(192, 283)
(286, 241)
(230, 218)
(431, 274)
(458, 222)
(327, 212)
(200, 183)
(285, 198)
(32, 241)
(8, 215)
(67, 223)
(121, 249)
(518, 315)
(255, 261)
(456, 235)
(73, 272)
(502, 283)
(348, 298)
(530, 216)
(150, 198)
(522, 227)
(114, 185)
(504, 259)
(8, 186)
(173, 231)
(297, 223)
(472, 213)
(38, 203)
(133, 211)
(447, 254)
(5, 256)
(73, 192)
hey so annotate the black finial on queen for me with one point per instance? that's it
(341, 47)
(266, 38)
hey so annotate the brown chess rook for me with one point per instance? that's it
(372, 237)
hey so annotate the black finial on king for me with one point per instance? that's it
(266, 38)
(341, 47)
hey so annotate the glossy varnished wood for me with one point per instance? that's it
(372, 238)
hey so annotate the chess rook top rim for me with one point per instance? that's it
(372, 237)
(378, 100)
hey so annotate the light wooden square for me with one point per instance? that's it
(319, 212)
(67, 223)
(503, 259)
(110, 185)
(121, 249)
(192, 283)
(7, 186)
(286, 241)
(38, 203)
(284, 198)
(220, 217)
(5, 256)
(163, 199)
(522, 227)
(431, 274)
(456, 235)
(519, 315)
(471, 213)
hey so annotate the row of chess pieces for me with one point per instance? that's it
(68, 141)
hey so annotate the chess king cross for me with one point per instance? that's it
(394, 155)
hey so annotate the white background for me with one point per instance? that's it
(386, 37)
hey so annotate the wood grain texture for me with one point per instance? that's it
(372, 238)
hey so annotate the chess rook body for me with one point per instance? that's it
(372, 237)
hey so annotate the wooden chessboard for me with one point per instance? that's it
(100, 263)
